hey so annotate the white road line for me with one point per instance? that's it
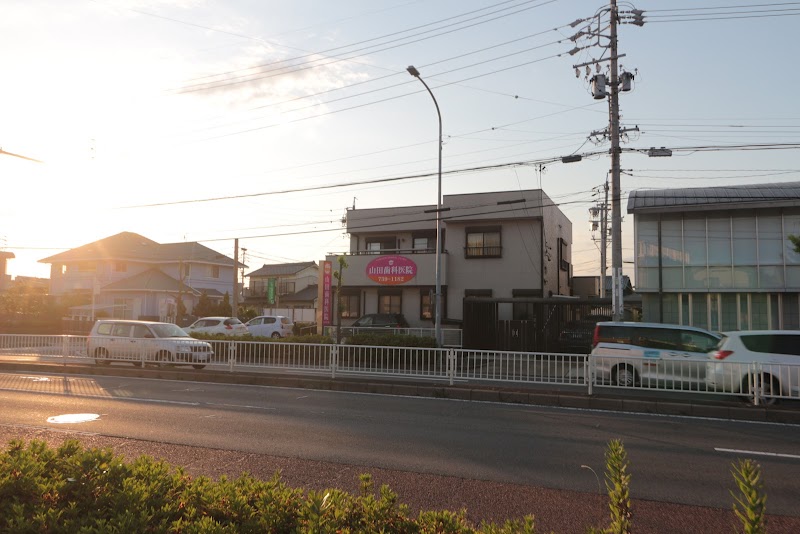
(758, 453)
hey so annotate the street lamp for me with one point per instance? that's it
(438, 296)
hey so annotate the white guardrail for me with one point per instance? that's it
(761, 383)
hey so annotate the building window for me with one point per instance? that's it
(215, 271)
(350, 304)
(423, 241)
(483, 242)
(87, 267)
(285, 288)
(563, 263)
(380, 244)
(390, 301)
(426, 304)
(187, 271)
(120, 267)
(477, 292)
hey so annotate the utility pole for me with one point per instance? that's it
(616, 212)
(235, 296)
(617, 82)
(599, 223)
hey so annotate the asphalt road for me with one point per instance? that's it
(673, 459)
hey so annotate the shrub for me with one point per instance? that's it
(391, 340)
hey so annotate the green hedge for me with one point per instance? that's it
(391, 340)
(72, 489)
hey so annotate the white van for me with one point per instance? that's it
(650, 354)
(145, 342)
(767, 358)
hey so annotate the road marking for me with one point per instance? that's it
(238, 406)
(758, 453)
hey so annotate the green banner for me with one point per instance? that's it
(271, 290)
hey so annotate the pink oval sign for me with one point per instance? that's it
(391, 270)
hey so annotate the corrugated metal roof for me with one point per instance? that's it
(752, 195)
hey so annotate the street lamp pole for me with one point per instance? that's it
(438, 296)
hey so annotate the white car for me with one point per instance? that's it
(270, 326)
(229, 326)
(145, 342)
(768, 359)
(631, 354)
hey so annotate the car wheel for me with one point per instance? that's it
(275, 335)
(163, 357)
(101, 357)
(198, 366)
(768, 386)
(624, 376)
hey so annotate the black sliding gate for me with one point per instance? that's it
(532, 324)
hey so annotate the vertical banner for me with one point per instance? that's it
(327, 298)
(271, 290)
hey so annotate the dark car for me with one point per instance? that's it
(382, 320)
(576, 337)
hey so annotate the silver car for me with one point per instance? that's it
(146, 342)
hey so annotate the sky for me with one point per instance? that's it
(264, 120)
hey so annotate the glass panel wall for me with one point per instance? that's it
(719, 253)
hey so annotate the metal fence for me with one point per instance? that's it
(451, 337)
(761, 383)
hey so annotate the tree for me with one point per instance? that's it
(224, 308)
(204, 306)
(795, 242)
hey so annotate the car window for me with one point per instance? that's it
(232, 321)
(364, 321)
(773, 343)
(104, 329)
(698, 342)
(141, 331)
(121, 330)
(269, 320)
(253, 322)
(285, 320)
(211, 322)
(658, 338)
(169, 330)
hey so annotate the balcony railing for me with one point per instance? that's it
(483, 252)
(398, 251)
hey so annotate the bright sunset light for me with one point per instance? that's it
(137, 109)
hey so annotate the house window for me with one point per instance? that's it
(87, 267)
(285, 288)
(423, 242)
(483, 242)
(120, 267)
(350, 304)
(380, 244)
(563, 263)
(426, 304)
(186, 270)
(390, 301)
(215, 271)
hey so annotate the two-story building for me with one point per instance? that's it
(132, 277)
(719, 257)
(499, 244)
(283, 285)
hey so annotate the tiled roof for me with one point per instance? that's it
(282, 269)
(149, 280)
(131, 246)
(308, 293)
(697, 198)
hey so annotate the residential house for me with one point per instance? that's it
(130, 276)
(501, 244)
(718, 257)
(284, 285)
